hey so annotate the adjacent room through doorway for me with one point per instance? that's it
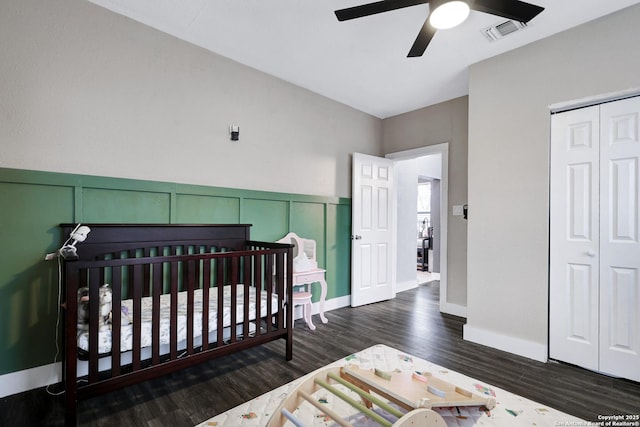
(428, 219)
(414, 167)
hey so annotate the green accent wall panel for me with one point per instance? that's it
(125, 206)
(28, 284)
(202, 209)
(308, 221)
(270, 218)
(338, 232)
(34, 203)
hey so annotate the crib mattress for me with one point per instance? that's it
(126, 330)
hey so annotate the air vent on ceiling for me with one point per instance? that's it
(503, 29)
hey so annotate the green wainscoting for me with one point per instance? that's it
(270, 218)
(33, 203)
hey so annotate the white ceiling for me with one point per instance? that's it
(363, 62)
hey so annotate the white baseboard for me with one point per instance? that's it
(406, 285)
(29, 379)
(525, 348)
(453, 309)
(330, 304)
(333, 304)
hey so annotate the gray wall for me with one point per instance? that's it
(87, 91)
(445, 122)
(508, 169)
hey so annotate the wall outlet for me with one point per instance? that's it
(457, 210)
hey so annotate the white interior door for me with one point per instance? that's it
(574, 238)
(619, 241)
(372, 230)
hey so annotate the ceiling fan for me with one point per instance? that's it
(438, 9)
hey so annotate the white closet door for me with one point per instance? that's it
(573, 287)
(619, 239)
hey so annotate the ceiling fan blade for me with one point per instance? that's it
(374, 8)
(510, 9)
(422, 41)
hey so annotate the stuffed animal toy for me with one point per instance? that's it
(83, 309)
(104, 319)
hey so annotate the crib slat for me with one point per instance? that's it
(190, 267)
(268, 278)
(146, 281)
(137, 315)
(247, 289)
(116, 319)
(234, 298)
(257, 281)
(220, 289)
(174, 311)
(70, 348)
(80, 280)
(94, 310)
(155, 313)
(206, 286)
(280, 288)
(289, 307)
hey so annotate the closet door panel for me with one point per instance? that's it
(619, 240)
(574, 274)
(623, 200)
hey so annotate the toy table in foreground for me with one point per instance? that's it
(510, 409)
(406, 398)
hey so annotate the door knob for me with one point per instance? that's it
(591, 253)
(356, 237)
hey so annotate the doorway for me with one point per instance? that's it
(406, 235)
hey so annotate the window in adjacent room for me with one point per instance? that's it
(424, 208)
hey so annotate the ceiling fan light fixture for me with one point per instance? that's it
(449, 14)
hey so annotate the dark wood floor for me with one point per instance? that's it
(411, 322)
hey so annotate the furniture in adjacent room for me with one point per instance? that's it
(305, 274)
(423, 253)
(424, 250)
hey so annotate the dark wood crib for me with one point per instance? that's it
(180, 295)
